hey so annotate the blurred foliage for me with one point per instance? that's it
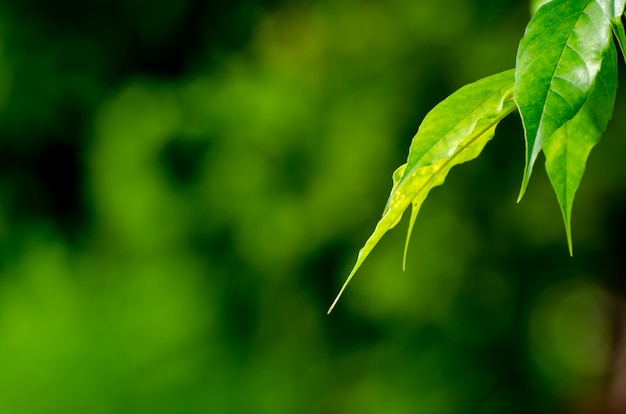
(184, 185)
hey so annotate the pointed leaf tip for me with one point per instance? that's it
(522, 190)
(414, 210)
(570, 245)
(332, 306)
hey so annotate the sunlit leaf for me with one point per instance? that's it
(455, 131)
(568, 148)
(558, 60)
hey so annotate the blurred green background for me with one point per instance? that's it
(185, 185)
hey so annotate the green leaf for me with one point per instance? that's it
(568, 148)
(618, 26)
(618, 31)
(455, 131)
(558, 60)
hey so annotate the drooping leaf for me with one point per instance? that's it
(455, 131)
(558, 60)
(568, 148)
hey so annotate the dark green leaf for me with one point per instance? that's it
(455, 131)
(558, 60)
(568, 148)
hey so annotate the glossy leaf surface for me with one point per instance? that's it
(455, 131)
(568, 148)
(558, 61)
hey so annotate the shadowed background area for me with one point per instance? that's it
(185, 185)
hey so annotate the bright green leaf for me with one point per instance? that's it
(568, 148)
(455, 131)
(558, 60)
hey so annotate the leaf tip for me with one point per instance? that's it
(332, 306)
(345, 284)
(414, 211)
(570, 244)
(528, 170)
(522, 190)
(406, 249)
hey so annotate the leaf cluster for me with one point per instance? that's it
(563, 87)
